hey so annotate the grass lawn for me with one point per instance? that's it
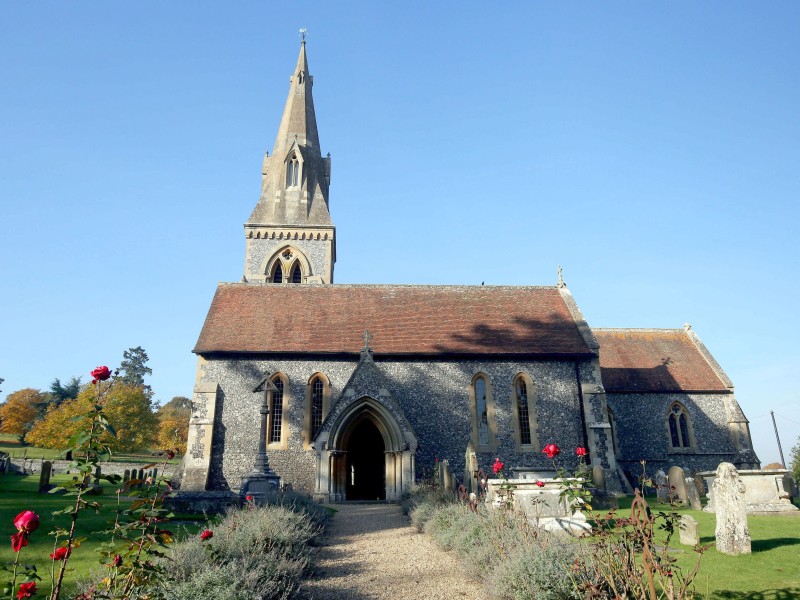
(20, 493)
(9, 444)
(771, 572)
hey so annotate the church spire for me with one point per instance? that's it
(295, 177)
(294, 195)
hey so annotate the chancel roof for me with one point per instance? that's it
(657, 360)
(402, 319)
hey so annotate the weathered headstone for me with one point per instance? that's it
(97, 473)
(599, 478)
(445, 474)
(662, 486)
(689, 533)
(733, 536)
(140, 477)
(44, 477)
(700, 484)
(126, 476)
(155, 475)
(471, 469)
(692, 494)
(677, 483)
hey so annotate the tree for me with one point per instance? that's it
(134, 367)
(20, 411)
(796, 462)
(128, 409)
(173, 427)
(59, 392)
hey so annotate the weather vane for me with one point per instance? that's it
(303, 33)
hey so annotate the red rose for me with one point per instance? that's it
(61, 554)
(100, 374)
(551, 450)
(580, 451)
(26, 590)
(117, 560)
(170, 454)
(27, 521)
(206, 535)
(18, 540)
(497, 466)
(248, 498)
(539, 483)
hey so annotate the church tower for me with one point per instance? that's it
(290, 237)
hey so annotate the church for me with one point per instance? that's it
(371, 384)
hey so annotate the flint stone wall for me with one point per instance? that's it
(434, 395)
(641, 431)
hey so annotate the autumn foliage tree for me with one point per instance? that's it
(128, 408)
(173, 428)
(20, 411)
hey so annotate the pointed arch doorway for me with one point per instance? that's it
(365, 454)
(365, 462)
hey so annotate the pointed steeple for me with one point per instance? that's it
(290, 230)
(295, 176)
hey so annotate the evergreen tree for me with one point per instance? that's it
(134, 368)
(59, 392)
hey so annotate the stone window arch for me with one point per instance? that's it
(277, 424)
(523, 403)
(680, 433)
(318, 396)
(484, 429)
(286, 266)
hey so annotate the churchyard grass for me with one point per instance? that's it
(19, 493)
(771, 572)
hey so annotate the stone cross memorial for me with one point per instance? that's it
(733, 536)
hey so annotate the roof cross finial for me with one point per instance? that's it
(303, 32)
(367, 337)
(561, 277)
(366, 351)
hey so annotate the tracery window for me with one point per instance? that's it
(277, 275)
(679, 426)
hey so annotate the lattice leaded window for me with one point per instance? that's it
(297, 274)
(522, 413)
(276, 412)
(316, 406)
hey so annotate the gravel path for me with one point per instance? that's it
(373, 551)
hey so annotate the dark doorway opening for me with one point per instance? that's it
(366, 464)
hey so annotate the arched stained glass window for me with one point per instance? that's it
(276, 412)
(277, 276)
(317, 396)
(482, 411)
(523, 413)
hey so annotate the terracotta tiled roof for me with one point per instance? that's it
(403, 319)
(654, 360)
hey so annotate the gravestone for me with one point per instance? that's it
(700, 484)
(446, 477)
(155, 475)
(662, 486)
(677, 483)
(126, 476)
(733, 536)
(471, 469)
(140, 477)
(599, 478)
(44, 477)
(689, 533)
(692, 494)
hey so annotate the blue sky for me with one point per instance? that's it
(652, 151)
